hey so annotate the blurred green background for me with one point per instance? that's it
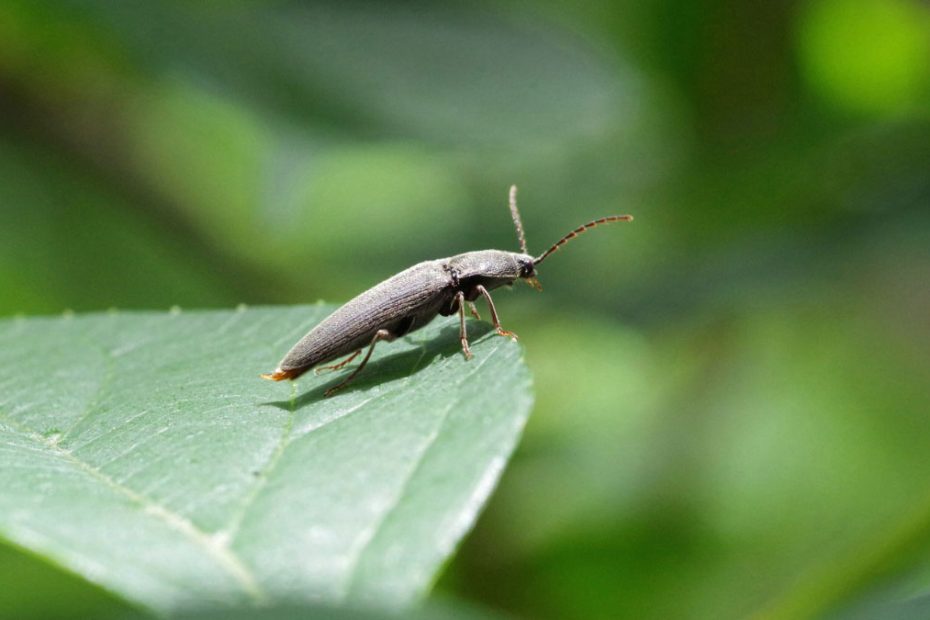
(733, 392)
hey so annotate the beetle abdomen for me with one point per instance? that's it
(401, 304)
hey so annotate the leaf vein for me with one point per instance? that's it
(224, 557)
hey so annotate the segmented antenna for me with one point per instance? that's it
(579, 230)
(516, 218)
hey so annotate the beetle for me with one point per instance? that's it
(411, 299)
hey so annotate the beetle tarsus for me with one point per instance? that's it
(507, 334)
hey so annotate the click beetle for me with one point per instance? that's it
(414, 297)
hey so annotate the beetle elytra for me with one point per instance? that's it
(414, 297)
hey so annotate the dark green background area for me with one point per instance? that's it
(733, 413)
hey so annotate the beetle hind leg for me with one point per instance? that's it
(339, 365)
(381, 334)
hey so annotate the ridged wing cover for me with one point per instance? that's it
(414, 291)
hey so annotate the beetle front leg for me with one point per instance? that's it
(463, 334)
(381, 334)
(494, 318)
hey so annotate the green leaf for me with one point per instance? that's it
(143, 452)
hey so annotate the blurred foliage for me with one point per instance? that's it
(732, 412)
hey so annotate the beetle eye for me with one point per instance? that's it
(527, 269)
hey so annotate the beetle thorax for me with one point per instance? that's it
(491, 268)
(487, 263)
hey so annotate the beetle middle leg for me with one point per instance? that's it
(473, 310)
(494, 318)
(463, 334)
(381, 334)
(339, 365)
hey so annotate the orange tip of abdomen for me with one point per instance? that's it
(280, 375)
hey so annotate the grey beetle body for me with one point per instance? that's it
(412, 299)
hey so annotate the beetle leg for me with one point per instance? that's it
(473, 310)
(339, 365)
(494, 318)
(463, 335)
(381, 334)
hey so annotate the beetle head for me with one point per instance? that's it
(528, 270)
(527, 264)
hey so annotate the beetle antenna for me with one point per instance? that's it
(579, 230)
(515, 214)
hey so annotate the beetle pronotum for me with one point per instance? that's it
(414, 297)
